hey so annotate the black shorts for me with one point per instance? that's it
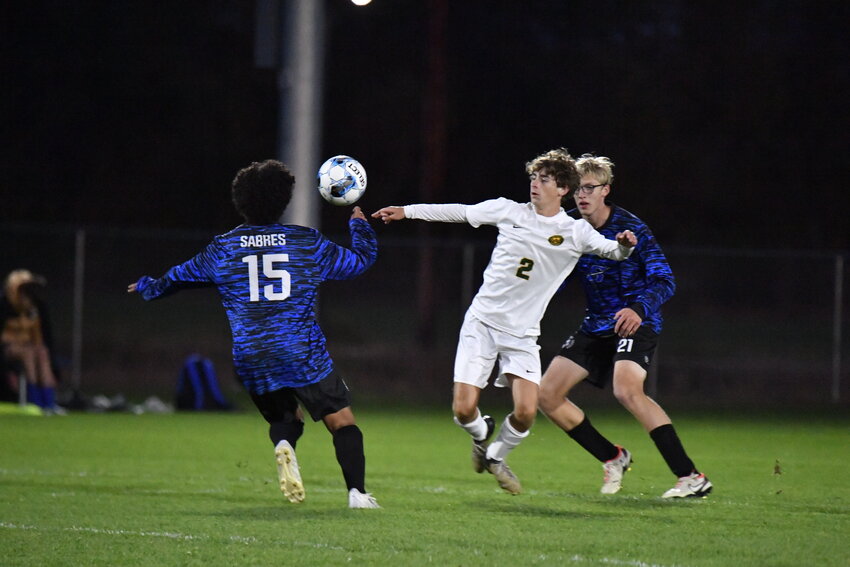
(321, 398)
(597, 355)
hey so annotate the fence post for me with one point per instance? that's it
(836, 328)
(77, 329)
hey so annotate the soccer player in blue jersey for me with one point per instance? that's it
(268, 277)
(617, 339)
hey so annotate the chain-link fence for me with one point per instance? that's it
(745, 328)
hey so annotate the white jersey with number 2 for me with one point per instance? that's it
(532, 256)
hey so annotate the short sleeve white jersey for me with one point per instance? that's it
(532, 256)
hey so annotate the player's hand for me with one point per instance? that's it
(627, 238)
(627, 322)
(356, 213)
(389, 214)
(131, 288)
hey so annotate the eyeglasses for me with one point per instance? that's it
(588, 189)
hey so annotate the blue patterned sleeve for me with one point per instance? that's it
(340, 263)
(660, 284)
(197, 272)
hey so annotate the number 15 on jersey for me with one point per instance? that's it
(270, 272)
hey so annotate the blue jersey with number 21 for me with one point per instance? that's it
(268, 279)
(644, 282)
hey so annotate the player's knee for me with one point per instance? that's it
(550, 399)
(339, 420)
(628, 397)
(523, 417)
(464, 411)
(465, 408)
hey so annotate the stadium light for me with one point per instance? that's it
(360, 2)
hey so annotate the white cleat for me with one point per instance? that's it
(506, 478)
(288, 473)
(692, 486)
(357, 499)
(614, 471)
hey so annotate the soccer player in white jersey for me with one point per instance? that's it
(537, 247)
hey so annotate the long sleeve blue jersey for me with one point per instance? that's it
(268, 279)
(643, 282)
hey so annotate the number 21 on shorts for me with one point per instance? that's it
(625, 345)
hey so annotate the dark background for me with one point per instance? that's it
(726, 119)
(124, 123)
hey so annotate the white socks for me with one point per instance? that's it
(505, 441)
(477, 427)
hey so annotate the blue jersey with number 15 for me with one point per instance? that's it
(268, 279)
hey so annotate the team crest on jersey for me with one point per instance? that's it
(556, 240)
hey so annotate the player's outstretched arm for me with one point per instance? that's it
(627, 238)
(389, 214)
(357, 213)
(150, 288)
(139, 286)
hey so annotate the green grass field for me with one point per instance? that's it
(200, 489)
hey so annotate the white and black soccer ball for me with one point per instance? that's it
(342, 180)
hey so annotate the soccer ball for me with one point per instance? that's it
(342, 180)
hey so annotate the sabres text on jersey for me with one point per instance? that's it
(257, 240)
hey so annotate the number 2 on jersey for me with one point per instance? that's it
(525, 266)
(270, 272)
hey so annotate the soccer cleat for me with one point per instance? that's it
(479, 448)
(504, 475)
(357, 499)
(614, 471)
(695, 485)
(288, 473)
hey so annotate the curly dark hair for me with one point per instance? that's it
(559, 164)
(262, 191)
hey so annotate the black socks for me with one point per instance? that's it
(348, 442)
(291, 431)
(592, 441)
(671, 449)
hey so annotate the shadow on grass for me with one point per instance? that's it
(580, 506)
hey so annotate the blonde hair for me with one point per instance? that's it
(12, 287)
(600, 167)
(15, 280)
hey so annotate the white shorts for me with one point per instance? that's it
(481, 346)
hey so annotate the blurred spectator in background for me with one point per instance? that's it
(27, 339)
